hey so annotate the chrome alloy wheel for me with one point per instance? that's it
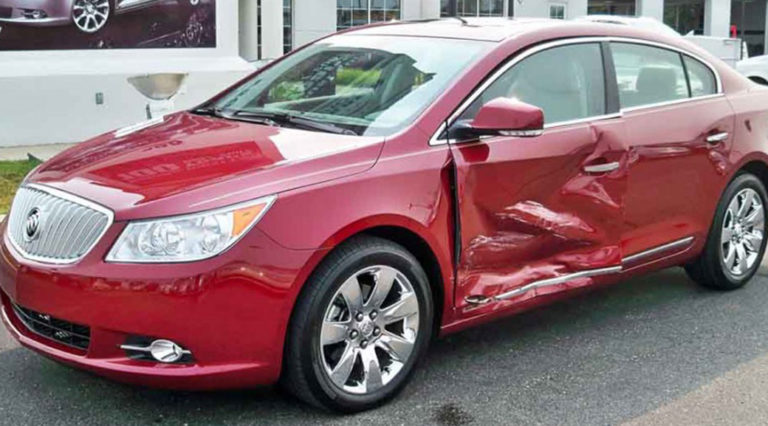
(743, 231)
(90, 15)
(369, 329)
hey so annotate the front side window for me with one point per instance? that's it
(368, 85)
(702, 79)
(566, 82)
(648, 75)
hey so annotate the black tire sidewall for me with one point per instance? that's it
(322, 387)
(714, 258)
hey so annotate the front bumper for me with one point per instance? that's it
(231, 313)
(56, 12)
(44, 22)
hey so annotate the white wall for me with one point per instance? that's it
(652, 9)
(313, 19)
(540, 8)
(50, 96)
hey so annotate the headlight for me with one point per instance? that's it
(187, 238)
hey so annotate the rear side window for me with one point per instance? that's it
(648, 75)
(701, 77)
(566, 82)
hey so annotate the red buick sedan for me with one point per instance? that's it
(323, 219)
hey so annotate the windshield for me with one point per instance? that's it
(368, 85)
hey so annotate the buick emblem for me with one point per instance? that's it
(32, 226)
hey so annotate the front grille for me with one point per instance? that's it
(5, 12)
(67, 333)
(67, 226)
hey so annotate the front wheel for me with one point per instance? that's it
(89, 16)
(360, 326)
(736, 241)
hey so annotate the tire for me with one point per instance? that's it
(91, 21)
(330, 374)
(715, 268)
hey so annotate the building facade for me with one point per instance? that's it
(61, 86)
(268, 28)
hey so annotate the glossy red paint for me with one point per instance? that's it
(527, 211)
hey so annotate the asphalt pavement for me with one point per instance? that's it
(654, 350)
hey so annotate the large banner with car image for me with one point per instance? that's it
(106, 24)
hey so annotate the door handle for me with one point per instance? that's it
(601, 168)
(717, 137)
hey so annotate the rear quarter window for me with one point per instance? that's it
(648, 75)
(702, 78)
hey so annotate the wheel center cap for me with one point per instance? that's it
(738, 230)
(366, 327)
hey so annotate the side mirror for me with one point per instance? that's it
(502, 117)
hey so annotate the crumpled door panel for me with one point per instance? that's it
(529, 212)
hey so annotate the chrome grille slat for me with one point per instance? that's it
(69, 225)
(54, 238)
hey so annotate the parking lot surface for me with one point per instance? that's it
(654, 350)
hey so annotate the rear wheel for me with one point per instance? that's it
(736, 241)
(359, 328)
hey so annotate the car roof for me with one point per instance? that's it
(485, 29)
(501, 29)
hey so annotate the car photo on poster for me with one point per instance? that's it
(84, 24)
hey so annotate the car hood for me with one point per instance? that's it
(189, 163)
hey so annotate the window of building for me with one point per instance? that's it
(473, 8)
(566, 82)
(749, 17)
(258, 29)
(701, 78)
(685, 15)
(557, 11)
(287, 25)
(352, 13)
(611, 7)
(648, 75)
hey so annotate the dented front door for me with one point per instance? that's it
(539, 215)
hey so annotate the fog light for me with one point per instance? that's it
(34, 14)
(160, 350)
(166, 351)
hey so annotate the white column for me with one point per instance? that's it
(717, 18)
(271, 28)
(410, 10)
(653, 9)
(248, 35)
(313, 19)
(576, 8)
(430, 9)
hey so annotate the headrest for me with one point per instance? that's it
(544, 73)
(657, 80)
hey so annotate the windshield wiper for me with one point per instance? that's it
(281, 118)
(209, 111)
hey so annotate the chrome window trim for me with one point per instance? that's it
(673, 102)
(74, 199)
(436, 140)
